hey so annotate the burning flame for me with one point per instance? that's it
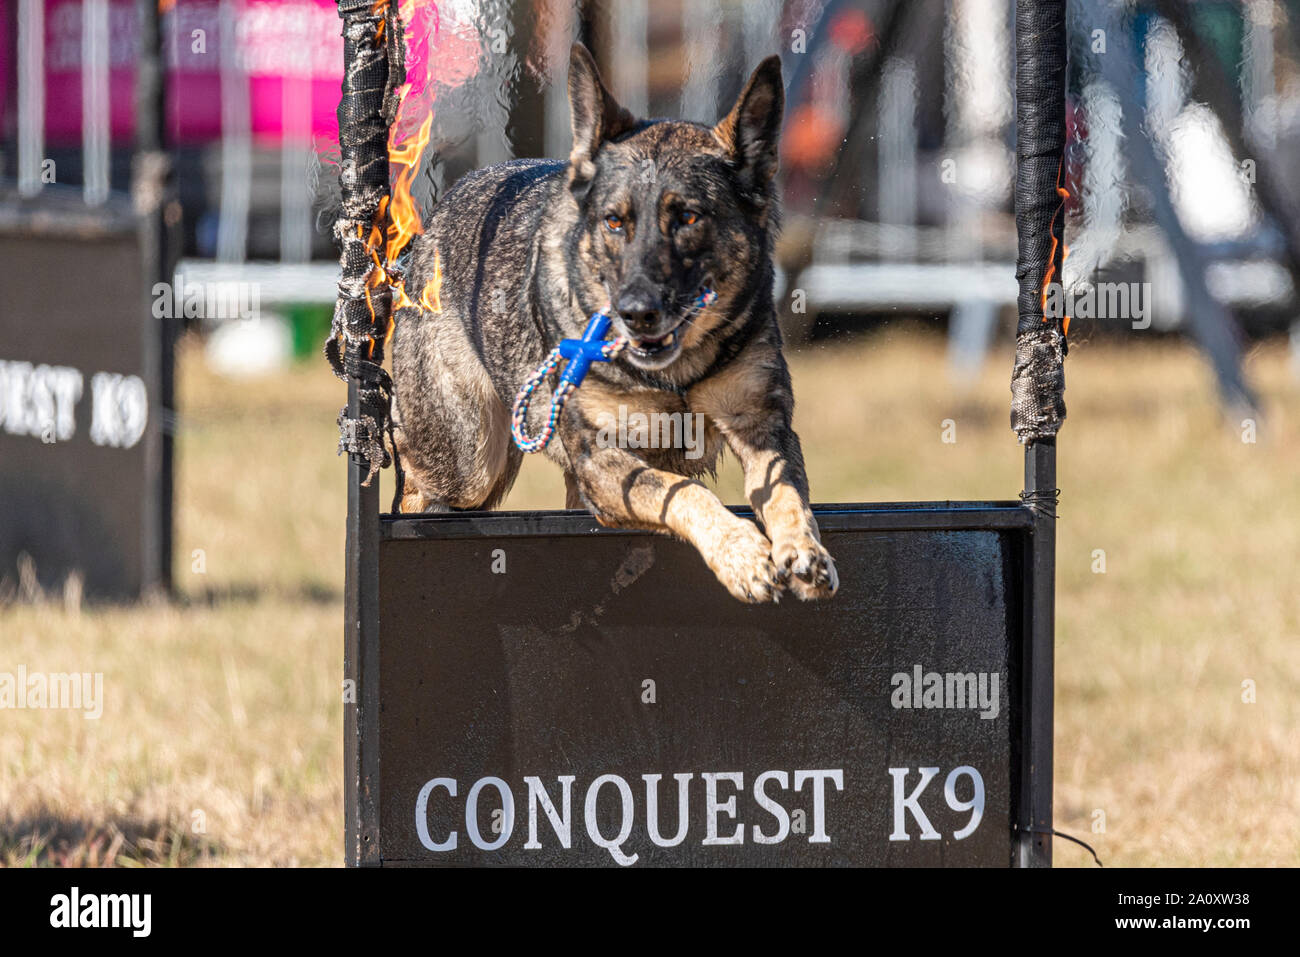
(431, 298)
(404, 224)
(1051, 257)
(1065, 320)
(378, 275)
(397, 219)
(404, 217)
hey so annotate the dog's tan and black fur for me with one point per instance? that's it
(643, 216)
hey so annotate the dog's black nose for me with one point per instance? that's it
(639, 309)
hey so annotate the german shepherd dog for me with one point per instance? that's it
(643, 217)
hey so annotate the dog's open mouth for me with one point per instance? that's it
(658, 348)
(657, 352)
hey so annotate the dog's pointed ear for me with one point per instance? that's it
(596, 114)
(751, 132)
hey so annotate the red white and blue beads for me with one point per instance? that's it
(580, 353)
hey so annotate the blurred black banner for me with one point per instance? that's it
(82, 472)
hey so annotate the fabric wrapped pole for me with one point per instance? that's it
(1038, 377)
(373, 69)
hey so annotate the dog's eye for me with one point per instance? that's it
(687, 217)
(613, 222)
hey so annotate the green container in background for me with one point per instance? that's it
(310, 323)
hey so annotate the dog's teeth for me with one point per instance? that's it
(668, 339)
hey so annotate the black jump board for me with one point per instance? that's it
(519, 645)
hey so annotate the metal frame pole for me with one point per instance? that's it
(1034, 845)
(366, 108)
(361, 660)
(1037, 388)
(153, 186)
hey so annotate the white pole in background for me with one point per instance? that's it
(760, 23)
(702, 27)
(1258, 78)
(236, 142)
(295, 133)
(95, 116)
(31, 95)
(977, 107)
(492, 107)
(896, 158)
(561, 32)
(629, 25)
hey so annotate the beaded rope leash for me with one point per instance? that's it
(580, 353)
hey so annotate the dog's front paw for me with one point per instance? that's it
(742, 560)
(806, 568)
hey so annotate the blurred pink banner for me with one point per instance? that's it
(276, 42)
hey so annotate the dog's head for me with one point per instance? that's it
(669, 209)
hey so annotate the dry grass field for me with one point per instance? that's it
(221, 737)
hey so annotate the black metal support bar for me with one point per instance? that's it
(153, 188)
(1034, 846)
(361, 661)
(1038, 376)
(361, 318)
(1038, 386)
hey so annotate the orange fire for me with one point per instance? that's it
(1051, 258)
(404, 216)
(404, 222)
(397, 219)
(431, 298)
(378, 275)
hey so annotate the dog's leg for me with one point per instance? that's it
(413, 500)
(572, 497)
(622, 491)
(453, 432)
(778, 491)
(751, 404)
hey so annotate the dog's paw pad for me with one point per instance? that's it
(743, 563)
(806, 568)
